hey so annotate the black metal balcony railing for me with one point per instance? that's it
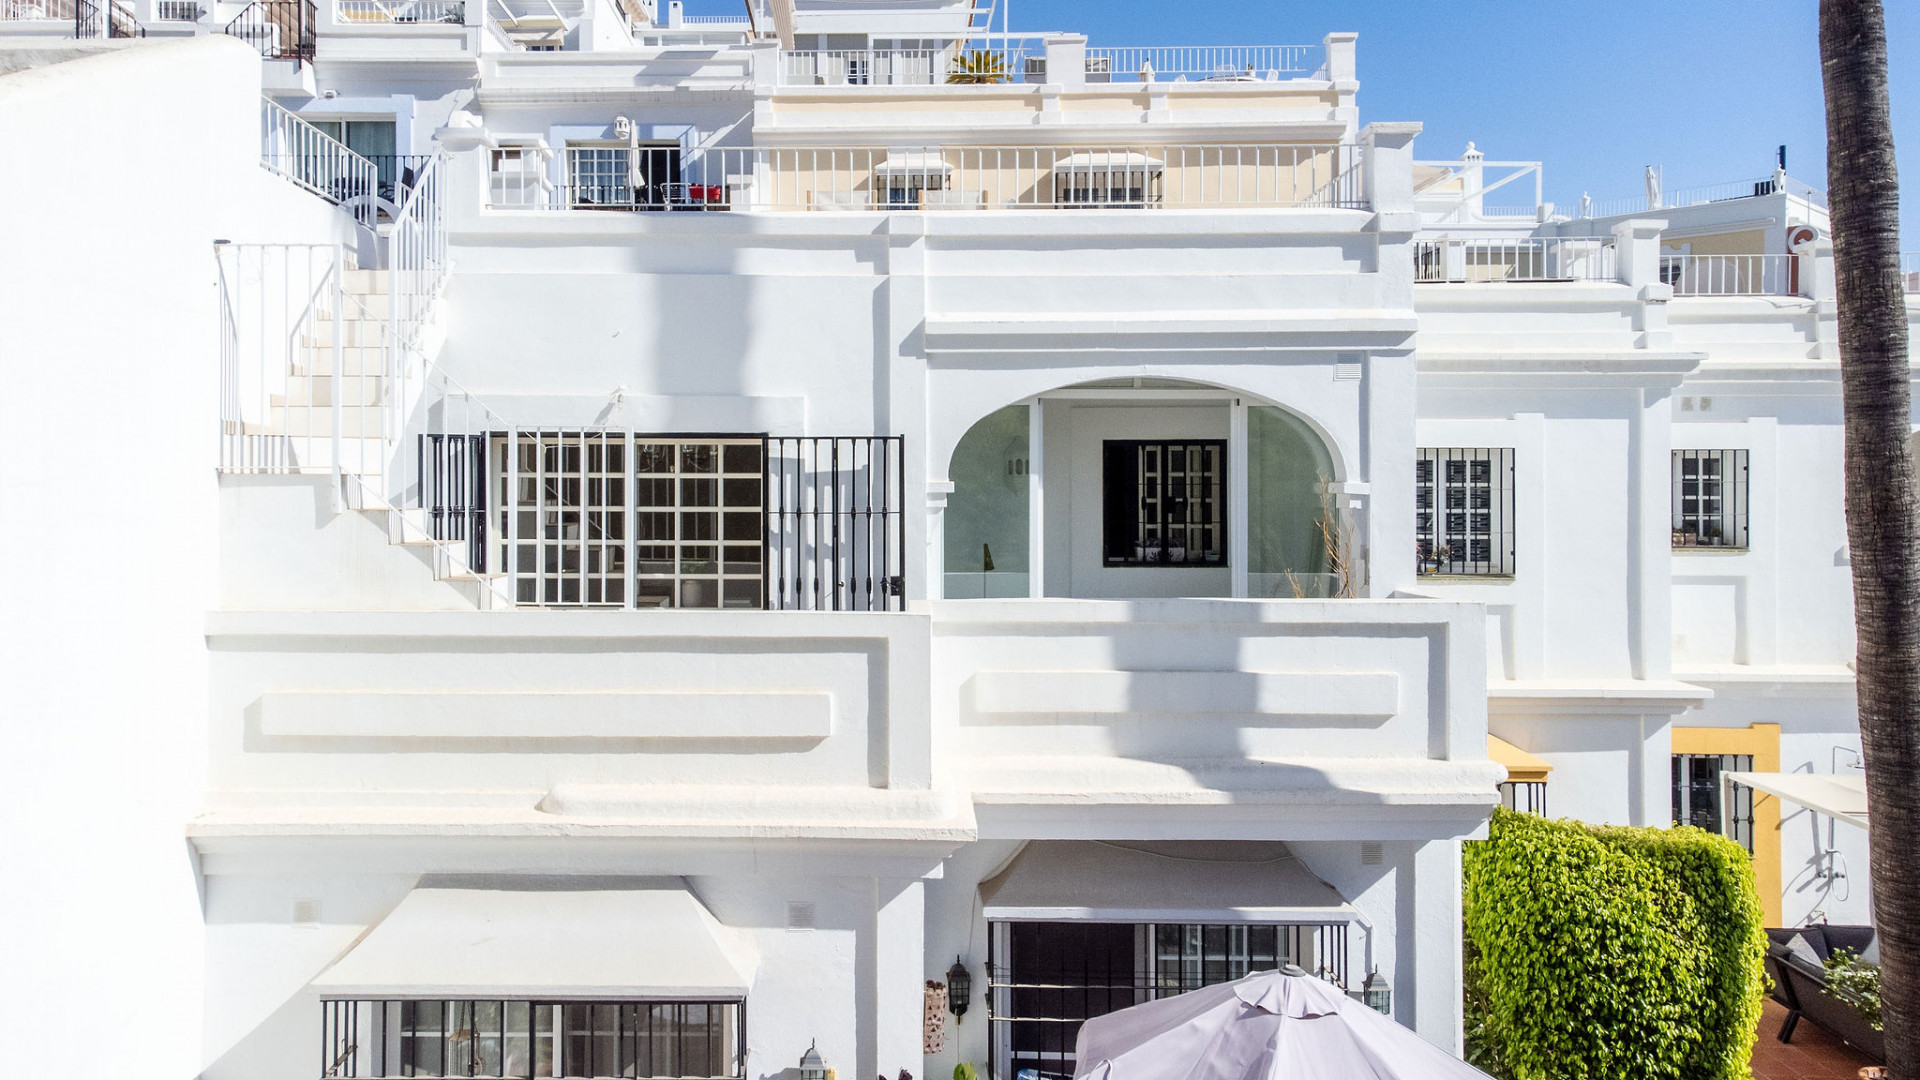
(279, 29)
(397, 173)
(107, 19)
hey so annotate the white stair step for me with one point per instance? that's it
(318, 392)
(357, 424)
(354, 360)
(321, 332)
(364, 281)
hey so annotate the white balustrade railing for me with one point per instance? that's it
(867, 67)
(1500, 259)
(1910, 271)
(453, 12)
(1699, 194)
(296, 150)
(1139, 176)
(1200, 63)
(1016, 60)
(1730, 275)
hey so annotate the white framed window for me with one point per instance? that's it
(1464, 511)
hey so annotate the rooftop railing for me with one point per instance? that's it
(1701, 194)
(360, 12)
(1025, 61)
(1516, 259)
(1141, 176)
(1218, 63)
(1730, 275)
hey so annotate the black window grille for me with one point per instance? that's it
(1464, 512)
(1047, 978)
(1710, 498)
(613, 519)
(1526, 796)
(496, 1038)
(835, 531)
(1698, 798)
(1164, 503)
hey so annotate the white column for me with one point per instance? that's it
(1036, 501)
(1237, 496)
(1430, 1001)
(899, 964)
(1650, 545)
(938, 491)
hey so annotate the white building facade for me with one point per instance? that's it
(676, 542)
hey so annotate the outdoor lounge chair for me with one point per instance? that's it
(1796, 961)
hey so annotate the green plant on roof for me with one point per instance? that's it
(979, 67)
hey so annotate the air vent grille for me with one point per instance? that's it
(1372, 853)
(799, 915)
(306, 913)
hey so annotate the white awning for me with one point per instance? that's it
(1843, 798)
(1099, 161)
(899, 163)
(616, 943)
(1194, 881)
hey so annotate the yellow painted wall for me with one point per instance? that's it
(1751, 242)
(1762, 742)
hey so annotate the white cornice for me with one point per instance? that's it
(1594, 697)
(1496, 368)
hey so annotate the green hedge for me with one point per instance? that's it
(1596, 953)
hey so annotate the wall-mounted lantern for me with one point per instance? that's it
(1377, 994)
(959, 988)
(812, 1065)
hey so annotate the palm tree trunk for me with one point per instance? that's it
(1882, 526)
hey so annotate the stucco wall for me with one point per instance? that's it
(108, 311)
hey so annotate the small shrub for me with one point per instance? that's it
(1855, 982)
(1598, 952)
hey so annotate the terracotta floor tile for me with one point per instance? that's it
(1813, 1055)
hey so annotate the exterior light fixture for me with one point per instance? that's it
(812, 1065)
(1377, 994)
(622, 128)
(959, 988)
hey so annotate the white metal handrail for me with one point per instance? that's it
(1729, 275)
(453, 12)
(1910, 271)
(1700, 194)
(416, 272)
(1206, 63)
(1139, 176)
(296, 150)
(865, 67)
(1506, 259)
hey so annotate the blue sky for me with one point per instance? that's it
(1596, 89)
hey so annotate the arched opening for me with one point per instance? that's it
(1138, 487)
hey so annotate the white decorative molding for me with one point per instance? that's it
(655, 714)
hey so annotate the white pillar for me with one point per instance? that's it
(1238, 501)
(1036, 502)
(899, 964)
(938, 492)
(1429, 1002)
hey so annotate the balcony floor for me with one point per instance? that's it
(1814, 1054)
